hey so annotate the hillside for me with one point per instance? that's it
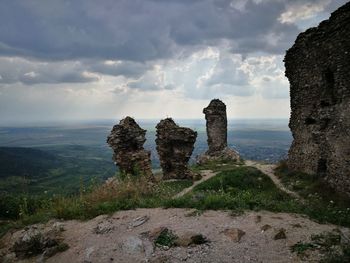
(262, 216)
(26, 162)
(50, 170)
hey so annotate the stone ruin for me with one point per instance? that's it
(174, 146)
(127, 139)
(215, 115)
(318, 69)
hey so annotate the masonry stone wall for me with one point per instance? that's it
(318, 69)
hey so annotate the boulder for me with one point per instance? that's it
(35, 240)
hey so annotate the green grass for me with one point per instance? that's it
(132, 192)
(236, 188)
(322, 202)
(218, 166)
(243, 188)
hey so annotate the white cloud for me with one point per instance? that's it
(301, 10)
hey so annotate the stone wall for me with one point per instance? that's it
(318, 69)
(175, 146)
(127, 139)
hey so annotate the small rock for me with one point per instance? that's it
(190, 238)
(165, 248)
(184, 240)
(132, 245)
(148, 247)
(139, 221)
(104, 227)
(265, 228)
(296, 225)
(88, 253)
(235, 234)
(281, 234)
(58, 226)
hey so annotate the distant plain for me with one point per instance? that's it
(63, 156)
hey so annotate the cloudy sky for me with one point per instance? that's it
(89, 59)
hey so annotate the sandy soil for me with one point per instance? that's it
(117, 238)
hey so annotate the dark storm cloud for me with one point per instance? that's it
(75, 37)
(137, 30)
(14, 70)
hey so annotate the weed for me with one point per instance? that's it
(62, 247)
(234, 188)
(300, 247)
(165, 239)
(322, 202)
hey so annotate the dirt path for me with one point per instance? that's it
(206, 174)
(268, 169)
(116, 238)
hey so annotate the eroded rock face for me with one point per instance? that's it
(127, 139)
(215, 115)
(318, 67)
(174, 145)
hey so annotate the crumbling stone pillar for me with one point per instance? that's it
(215, 115)
(127, 139)
(318, 67)
(174, 146)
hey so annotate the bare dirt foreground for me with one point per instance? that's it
(126, 236)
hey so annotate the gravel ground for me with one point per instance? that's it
(121, 238)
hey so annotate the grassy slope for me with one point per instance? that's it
(235, 188)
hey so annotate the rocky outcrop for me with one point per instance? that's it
(317, 67)
(215, 115)
(127, 139)
(174, 146)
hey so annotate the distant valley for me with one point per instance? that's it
(61, 158)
